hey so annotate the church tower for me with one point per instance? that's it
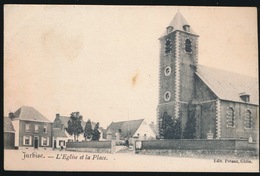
(178, 62)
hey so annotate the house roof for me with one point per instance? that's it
(128, 128)
(8, 126)
(153, 127)
(30, 114)
(177, 23)
(57, 132)
(228, 85)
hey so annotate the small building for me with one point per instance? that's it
(32, 129)
(60, 135)
(131, 130)
(9, 134)
(59, 138)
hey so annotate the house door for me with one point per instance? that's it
(55, 143)
(36, 142)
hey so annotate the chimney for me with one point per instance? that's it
(57, 115)
(11, 115)
(245, 96)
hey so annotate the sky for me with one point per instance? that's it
(103, 61)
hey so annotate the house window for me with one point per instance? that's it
(168, 46)
(62, 143)
(45, 141)
(36, 128)
(27, 127)
(230, 117)
(188, 46)
(27, 140)
(45, 129)
(248, 120)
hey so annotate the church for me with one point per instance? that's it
(223, 104)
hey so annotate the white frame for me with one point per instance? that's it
(165, 73)
(47, 141)
(30, 140)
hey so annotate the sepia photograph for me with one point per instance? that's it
(130, 88)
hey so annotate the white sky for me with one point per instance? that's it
(61, 59)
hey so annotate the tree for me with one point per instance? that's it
(171, 128)
(88, 131)
(177, 129)
(190, 129)
(96, 133)
(167, 126)
(74, 125)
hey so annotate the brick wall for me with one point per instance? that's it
(32, 133)
(197, 147)
(9, 140)
(189, 144)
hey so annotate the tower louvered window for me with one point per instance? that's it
(230, 117)
(168, 46)
(248, 120)
(188, 46)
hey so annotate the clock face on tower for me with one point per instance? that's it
(167, 96)
(167, 71)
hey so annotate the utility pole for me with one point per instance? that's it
(127, 123)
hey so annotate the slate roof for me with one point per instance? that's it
(228, 85)
(8, 126)
(57, 132)
(177, 23)
(30, 114)
(127, 127)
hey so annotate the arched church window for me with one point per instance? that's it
(168, 46)
(188, 48)
(167, 96)
(248, 120)
(230, 117)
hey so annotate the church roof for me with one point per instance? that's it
(30, 114)
(128, 128)
(228, 85)
(177, 23)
